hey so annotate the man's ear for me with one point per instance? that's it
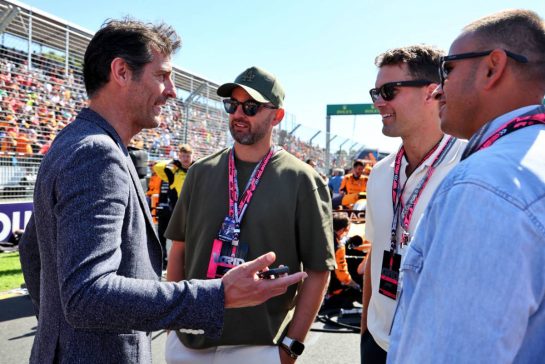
(430, 89)
(496, 64)
(120, 73)
(278, 117)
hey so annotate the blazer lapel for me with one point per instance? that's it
(94, 117)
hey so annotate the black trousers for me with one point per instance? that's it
(370, 352)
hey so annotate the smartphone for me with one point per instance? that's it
(273, 272)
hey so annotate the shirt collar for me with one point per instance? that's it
(502, 119)
(428, 162)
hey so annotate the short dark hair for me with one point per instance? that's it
(519, 31)
(340, 222)
(358, 162)
(422, 60)
(129, 39)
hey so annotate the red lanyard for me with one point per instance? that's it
(404, 212)
(237, 210)
(397, 168)
(513, 125)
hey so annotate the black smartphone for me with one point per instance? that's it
(273, 272)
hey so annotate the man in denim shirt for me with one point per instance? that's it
(473, 281)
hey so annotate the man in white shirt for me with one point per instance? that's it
(401, 185)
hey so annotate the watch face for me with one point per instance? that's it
(297, 347)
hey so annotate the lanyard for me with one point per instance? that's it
(475, 143)
(237, 207)
(404, 212)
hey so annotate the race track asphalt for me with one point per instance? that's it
(18, 326)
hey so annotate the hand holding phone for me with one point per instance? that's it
(242, 289)
(267, 274)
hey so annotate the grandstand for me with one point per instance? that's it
(41, 91)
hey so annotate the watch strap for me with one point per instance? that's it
(288, 344)
(288, 351)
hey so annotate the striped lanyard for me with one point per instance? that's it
(475, 143)
(237, 207)
(404, 212)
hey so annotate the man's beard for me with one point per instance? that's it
(247, 137)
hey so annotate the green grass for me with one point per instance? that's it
(11, 275)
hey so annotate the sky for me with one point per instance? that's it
(321, 51)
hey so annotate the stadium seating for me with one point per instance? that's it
(35, 105)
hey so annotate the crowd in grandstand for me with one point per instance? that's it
(37, 102)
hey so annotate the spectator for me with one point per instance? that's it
(353, 185)
(172, 173)
(334, 184)
(401, 185)
(335, 180)
(153, 193)
(311, 162)
(343, 289)
(276, 190)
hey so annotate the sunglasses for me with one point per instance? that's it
(388, 90)
(444, 69)
(249, 107)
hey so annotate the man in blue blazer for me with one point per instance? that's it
(90, 255)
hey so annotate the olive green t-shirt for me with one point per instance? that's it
(290, 214)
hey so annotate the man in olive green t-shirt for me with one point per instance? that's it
(241, 202)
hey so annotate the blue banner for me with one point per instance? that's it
(13, 216)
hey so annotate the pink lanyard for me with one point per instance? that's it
(237, 210)
(513, 125)
(404, 212)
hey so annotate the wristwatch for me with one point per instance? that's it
(293, 347)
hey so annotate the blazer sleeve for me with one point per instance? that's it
(29, 255)
(93, 194)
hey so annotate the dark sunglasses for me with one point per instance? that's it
(388, 90)
(444, 69)
(249, 107)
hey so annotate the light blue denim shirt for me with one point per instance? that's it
(474, 274)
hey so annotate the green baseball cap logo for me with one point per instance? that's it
(261, 85)
(249, 76)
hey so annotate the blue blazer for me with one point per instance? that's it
(92, 260)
